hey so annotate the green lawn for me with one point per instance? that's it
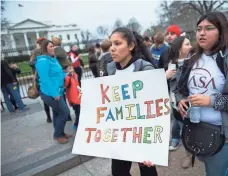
(25, 68)
(85, 60)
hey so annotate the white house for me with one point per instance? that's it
(25, 34)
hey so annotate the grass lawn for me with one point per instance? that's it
(25, 68)
(85, 59)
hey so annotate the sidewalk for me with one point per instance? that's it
(28, 147)
(102, 167)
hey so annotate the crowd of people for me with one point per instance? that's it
(196, 76)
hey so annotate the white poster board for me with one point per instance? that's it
(130, 120)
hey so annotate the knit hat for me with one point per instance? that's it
(175, 29)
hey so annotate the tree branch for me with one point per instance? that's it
(221, 3)
(212, 5)
(205, 6)
(201, 7)
(194, 7)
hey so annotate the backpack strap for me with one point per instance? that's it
(140, 65)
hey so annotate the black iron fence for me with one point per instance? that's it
(25, 79)
(21, 57)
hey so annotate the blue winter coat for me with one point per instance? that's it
(51, 75)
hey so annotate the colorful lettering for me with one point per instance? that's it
(119, 112)
(103, 94)
(115, 95)
(99, 115)
(149, 115)
(89, 134)
(157, 134)
(130, 117)
(158, 107)
(110, 116)
(124, 92)
(138, 112)
(107, 135)
(137, 136)
(167, 106)
(114, 135)
(125, 130)
(97, 136)
(147, 135)
(137, 86)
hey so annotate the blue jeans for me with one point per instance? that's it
(12, 90)
(176, 130)
(12, 99)
(60, 113)
(218, 163)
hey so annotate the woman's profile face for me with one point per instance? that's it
(186, 47)
(74, 48)
(50, 49)
(207, 35)
(119, 48)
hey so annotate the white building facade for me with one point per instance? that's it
(25, 33)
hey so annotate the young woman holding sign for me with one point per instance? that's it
(125, 52)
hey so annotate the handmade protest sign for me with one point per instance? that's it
(125, 117)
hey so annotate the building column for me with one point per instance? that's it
(12, 41)
(37, 35)
(26, 42)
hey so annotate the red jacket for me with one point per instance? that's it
(72, 89)
(75, 61)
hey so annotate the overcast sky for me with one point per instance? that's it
(86, 14)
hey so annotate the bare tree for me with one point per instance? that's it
(76, 37)
(148, 32)
(204, 7)
(88, 35)
(83, 37)
(5, 24)
(2, 6)
(167, 14)
(101, 30)
(118, 23)
(134, 25)
(185, 13)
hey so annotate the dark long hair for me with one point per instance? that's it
(140, 50)
(175, 46)
(91, 49)
(44, 45)
(219, 20)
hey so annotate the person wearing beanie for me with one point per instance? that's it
(172, 32)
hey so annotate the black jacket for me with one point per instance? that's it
(105, 59)
(93, 61)
(6, 74)
(218, 100)
(164, 59)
